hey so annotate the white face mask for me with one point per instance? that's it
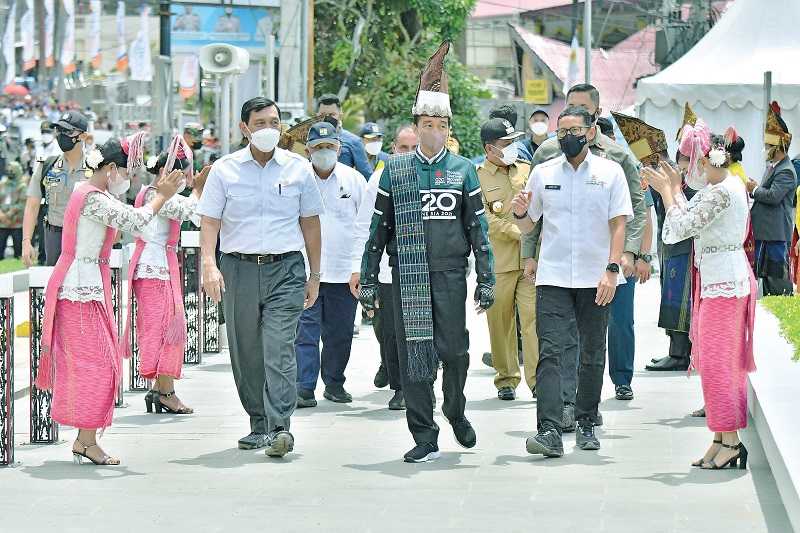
(510, 154)
(539, 128)
(373, 147)
(265, 140)
(324, 159)
(116, 186)
(47, 138)
(698, 181)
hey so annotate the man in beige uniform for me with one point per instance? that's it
(502, 176)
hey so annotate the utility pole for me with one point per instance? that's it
(164, 28)
(587, 39)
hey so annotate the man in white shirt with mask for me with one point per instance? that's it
(330, 319)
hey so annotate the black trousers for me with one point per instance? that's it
(680, 346)
(38, 235)
(52, 244)
(384, 323)
(563, 316)
(16, 238)
(451, 338)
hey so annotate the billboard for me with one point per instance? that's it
(194, 26)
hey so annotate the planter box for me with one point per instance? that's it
(774, 391)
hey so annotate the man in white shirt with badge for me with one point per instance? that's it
(331, 317)
(264, 204)
(585, 204)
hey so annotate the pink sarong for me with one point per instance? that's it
(157, 357)
(87, 364)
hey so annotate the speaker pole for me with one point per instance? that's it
(165, 51)
(225, 123)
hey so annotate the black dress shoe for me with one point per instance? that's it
(464, 433)
(657, 359)
(669, 364)
(623, 392)
(506, 393)
(279, 442)
(398, 401)
(421, 453)
(253, 441)
(337, 395)
(381, 377)
(487, 359)
(305, 398)
(547, 442)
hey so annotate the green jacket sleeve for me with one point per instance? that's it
(476, 228)
(381, 231)
(634, 230)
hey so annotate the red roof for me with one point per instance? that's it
(502, 8)
(614, 72)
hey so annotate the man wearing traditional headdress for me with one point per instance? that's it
(772, 207)
(429, 216)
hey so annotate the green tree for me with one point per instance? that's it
(375, 49)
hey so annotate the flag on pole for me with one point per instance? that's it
(49, 33)
(8, 46)
(122, 50)
(188, 79)
(140, 61)
(68, 47)
(572, 69)
(27, 31)
(96, 7)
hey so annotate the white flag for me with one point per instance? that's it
(68, 47)
(139, 55)
(188, 79)
(94, 33)
(122, 50)
(8, 46)
(572, 69)
(49, 32)
(27, 31)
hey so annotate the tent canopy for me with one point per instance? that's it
(722, 77)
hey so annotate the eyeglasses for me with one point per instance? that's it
(574, 130)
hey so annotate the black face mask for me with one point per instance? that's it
(572, 145)
(331, 120)
(196, 145)
(65, 142)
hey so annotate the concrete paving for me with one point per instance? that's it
(346, 474)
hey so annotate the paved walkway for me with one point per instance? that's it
(185, 474)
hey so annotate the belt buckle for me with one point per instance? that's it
(261, 259)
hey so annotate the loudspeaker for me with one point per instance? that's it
(221, 58)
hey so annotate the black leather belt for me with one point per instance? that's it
(262, 259)
(51, 227)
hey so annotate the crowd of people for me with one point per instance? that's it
(556, 225)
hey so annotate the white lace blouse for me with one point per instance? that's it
(716, 218)
(153, 262)
(83, 282)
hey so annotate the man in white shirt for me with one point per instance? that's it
(331, 316)
(584, 202)
(264, 204)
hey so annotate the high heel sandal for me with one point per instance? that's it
(150, 399)
(740, 458)
(160, 407)
(78, 457)
(702, 460)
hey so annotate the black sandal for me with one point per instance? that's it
(160, 407)
(106, 460)
(702, 460)
(699, 413)
(150, 399)
(740, 458)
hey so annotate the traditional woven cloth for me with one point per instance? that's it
(154, 311)
(415, 288)
(87, 365)
(676, 293)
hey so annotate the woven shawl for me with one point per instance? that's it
(415, 287)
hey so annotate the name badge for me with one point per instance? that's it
(552, 187)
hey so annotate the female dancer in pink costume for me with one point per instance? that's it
(160, 316)
(724, 286)
(80, 353)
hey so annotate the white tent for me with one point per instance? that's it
(722, 77)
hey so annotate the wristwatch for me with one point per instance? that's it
(519, 217)
(613, 268)
(315, 275)
(647, 258)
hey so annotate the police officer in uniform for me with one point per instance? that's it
(502, 176)
(54, 179)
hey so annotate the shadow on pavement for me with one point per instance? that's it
(493, 404)
(613, 405)
(325, 406)
(235, 458)
(377, 414)
(678, 423)
(398, 468)
(578, 457)
(62, 470)
(219, 367)
(695, 476)
(148, 420)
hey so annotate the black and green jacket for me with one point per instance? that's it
(453, 217)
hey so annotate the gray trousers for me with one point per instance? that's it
(262, 306)
(52, 246)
